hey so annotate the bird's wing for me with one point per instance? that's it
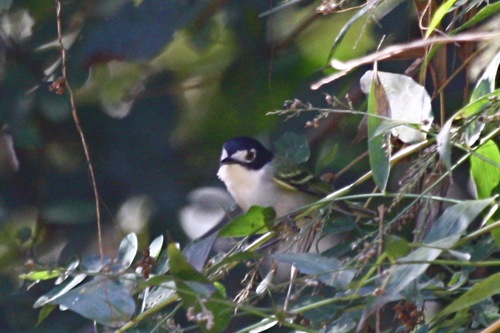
(294, 177)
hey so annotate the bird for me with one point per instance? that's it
(254, 176)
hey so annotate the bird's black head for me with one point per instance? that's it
(245, 151)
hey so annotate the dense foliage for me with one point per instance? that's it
(113, 110)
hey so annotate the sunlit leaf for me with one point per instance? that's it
(104, 300)
(265, 283)
(155, 247)
(163, 292)
(220, 289)
(410, 106)
(460, 255)
(68, 271)
(486, 171)
(127, 250)
(262, 326)
(42, 275)
(438, 16)
(480, 291)
(59, 290)
(293, 148)
(457, 280)
(257, 220)
(444, 144)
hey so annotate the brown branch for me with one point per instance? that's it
(396, 51)
(76, 119)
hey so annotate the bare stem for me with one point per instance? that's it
(76, 119)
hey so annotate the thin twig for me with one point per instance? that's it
(76, 119)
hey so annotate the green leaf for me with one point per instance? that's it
(293, 148)
(378, 105)
(402, 275)
(45, 312)
(327, 156)
(486, 84)
(376, 9)
(180, 267)
(486, 171)
(42, 275)
(198, 293)
(479, 292)
(445, 232)
(396, 247)
(456, 219)
(438, 16)
(483, 14)
(317, 315)
(328, 270)
(153, 281)
(480, 105)
(257, 220)
(103, 299)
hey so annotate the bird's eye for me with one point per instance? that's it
(250, 155)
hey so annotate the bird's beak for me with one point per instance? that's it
(227, 160)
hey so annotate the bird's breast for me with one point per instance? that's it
(257, 188)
